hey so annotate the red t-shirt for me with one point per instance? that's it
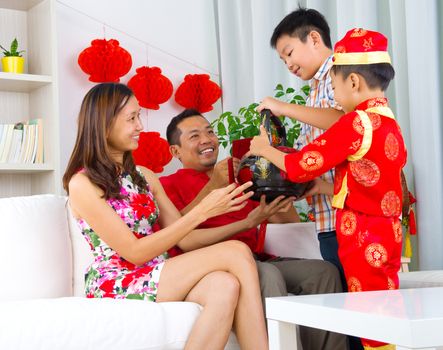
(184, 185)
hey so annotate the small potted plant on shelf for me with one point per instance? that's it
(13, 62)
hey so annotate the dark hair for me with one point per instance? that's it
(173, 132)
(377, 75)
(98, 111)
(300, 23)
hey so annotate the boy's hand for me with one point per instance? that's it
(274, 105)
(259, 143)
(320, 187)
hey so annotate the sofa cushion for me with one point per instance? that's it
(81, 256)
(80, 323)
(35, 248)
(294, 240)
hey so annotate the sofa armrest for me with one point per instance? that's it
(294, 240)
(421, 279)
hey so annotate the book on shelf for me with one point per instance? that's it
(3, 128)
(17, 136)
(37, 156)
(6, 142)
(30, 145)
(22, 142)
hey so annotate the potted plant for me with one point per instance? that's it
(231, 127)
(13, 62)
(246, 122)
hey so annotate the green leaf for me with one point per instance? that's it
(221, 129)
(299, 99)
(250, 131)
(279, 94)
(225, 115)
(290, 90)
(306, 89)
(303, 217)
(234, 135)
(279, 87)
(14, 46)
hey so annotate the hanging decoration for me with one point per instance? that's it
(152, 152)
(408, 221)
(197, 91)
(105, 61)
(150, 87)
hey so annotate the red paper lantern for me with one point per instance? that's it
(152, 152)
(198, 92)
(150, 87)
(105, 61)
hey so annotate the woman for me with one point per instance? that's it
(116, 204)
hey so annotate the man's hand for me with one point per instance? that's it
(264, 211)
(274, 105)
(220, 174)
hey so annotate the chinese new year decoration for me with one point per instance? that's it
(105, 61)
(150, 87)
(152, 152)
(197, 92)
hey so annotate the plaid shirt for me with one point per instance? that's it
(321, 95)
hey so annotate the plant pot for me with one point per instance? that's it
(13, 64)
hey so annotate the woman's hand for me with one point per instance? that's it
(224, 200)
(265, 211)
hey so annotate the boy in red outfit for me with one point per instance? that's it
(367, 150)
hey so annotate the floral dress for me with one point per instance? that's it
(110, 275)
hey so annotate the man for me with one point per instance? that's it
(195, 144)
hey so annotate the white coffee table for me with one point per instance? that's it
(409, 318)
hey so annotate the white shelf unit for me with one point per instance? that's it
(32, 94)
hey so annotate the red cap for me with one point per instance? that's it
(361, 46)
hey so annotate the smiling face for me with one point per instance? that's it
(198, 147)
(301, 58)
(125, 130)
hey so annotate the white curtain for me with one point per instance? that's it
(250, 70)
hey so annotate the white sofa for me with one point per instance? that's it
(41, 296)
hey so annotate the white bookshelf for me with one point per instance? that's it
(32, 94)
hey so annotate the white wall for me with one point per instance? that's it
(177, 36)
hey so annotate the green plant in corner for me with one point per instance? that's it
(12, 52)
(230, 126)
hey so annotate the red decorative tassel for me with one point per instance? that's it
(412, 223)
(197, 92)
(150, 87)
(105, 61)
(412, 199)
(152, 152)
